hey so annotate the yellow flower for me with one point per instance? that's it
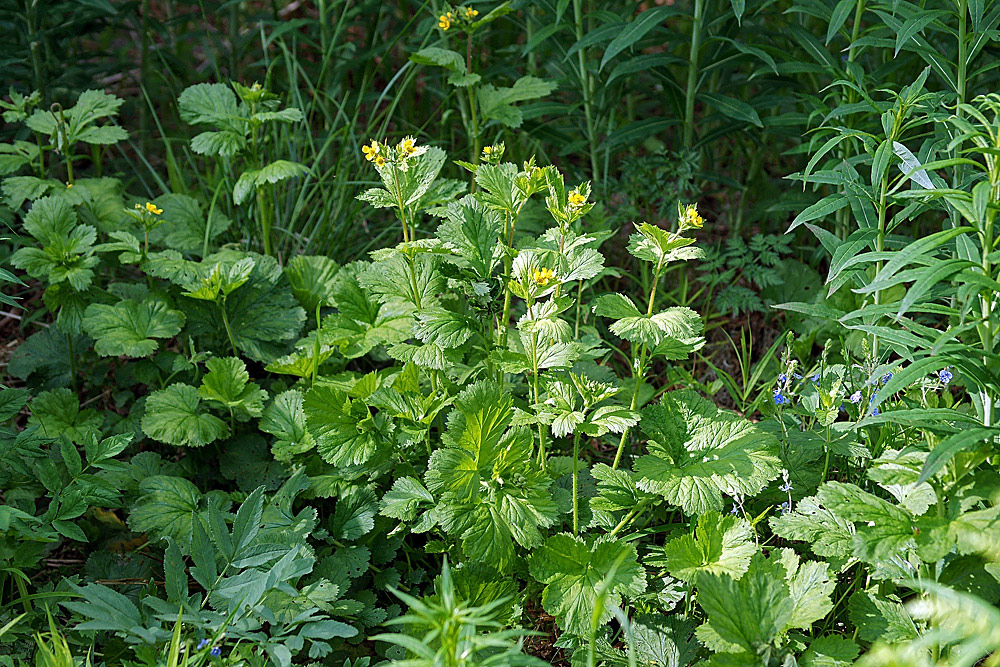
(151, 207)
(370, 151)
(487, 150)
(690, 218)
(407, 147)
(543, 277)
(471, 13)
(444, 22)
(576, 200)
(69, 185)
(380, 161)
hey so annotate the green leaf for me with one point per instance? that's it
(186, 227)
(883, 530)
(405, 499)
(719, 545)
(12, 401)
(698, 452)
(346, 432)
(491, 491)
(285, 419)
(67, 248)
(498, 103)
(247, 460)
(175, 416)
(830, 650)
(442, 327)
(574, 570)
(228, 382)
(879, 617)
(277, 171)
(824, 207)
(473, 230)
(128, 327)
(261, 309)
(57, 413)
(633, 32)
(732, 107)
(746, 612)
(167, 507)
(946, 450)
(354, 516)
(312, 278)
(209, 103)
(450, 60)
(827, 534)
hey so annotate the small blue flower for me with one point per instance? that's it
(203, 643)
(779, 398)
(815, 378)
(787, 487)
(797, 376)
(945, 376)
(856, 397)
(216, 651)
(782, 378)
(886, 377)
(785, 507)
(842, 408)
(735, 510)
(872, 411)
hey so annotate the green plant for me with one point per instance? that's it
(240, 122)
(455, 631)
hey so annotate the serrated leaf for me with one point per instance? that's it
(175, 416)
(574, 570)
(227, 382)
(128, 328)
(698, 452)
(719, 545)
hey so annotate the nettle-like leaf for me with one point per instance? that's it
(828, 535)
(285, 419)
(67, 249)
(362, 323)
(261, 309)
(81, 122)
(775, 595)
(347, 434)
(175, 416)
(57, 413)
(575, 570)
(885, 532)
(653, 244)
(247, 460)
(450, 60)
(214, 104)
(498, 103)
(169, 507)
(617, 493)
(313, 280)
(277, 171)
(490, 491)
(719, 545)
(186, 227)
(880, 617)
(679, 325)
(473, 231)
(698, 452)
(227, 382)
(128, 328)
(405, 499)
